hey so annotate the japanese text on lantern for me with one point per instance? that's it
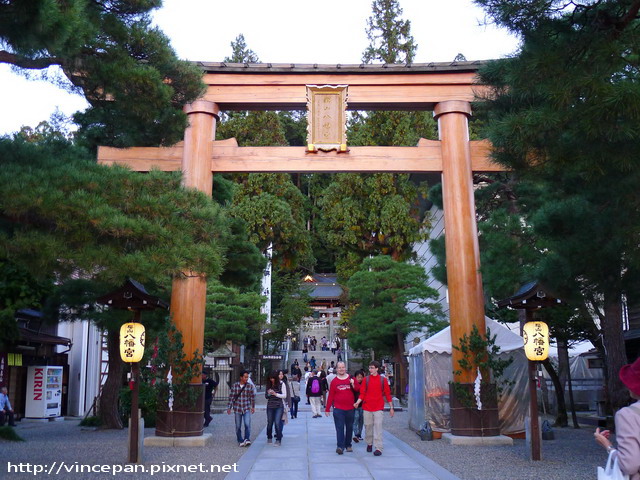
(536, 340)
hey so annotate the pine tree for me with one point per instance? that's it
(381, 290)
(563, 114)
(110, 51)
(90, 227)
(390, 39)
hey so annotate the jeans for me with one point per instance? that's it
(294, 408)
(357, 422)
(343, 420)
(243, 418)
(274, 419)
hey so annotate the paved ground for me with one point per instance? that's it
(308, 452)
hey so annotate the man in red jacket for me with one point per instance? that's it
(373, 391)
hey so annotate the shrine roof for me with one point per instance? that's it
(224, 67)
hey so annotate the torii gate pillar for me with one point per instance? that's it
(466, 302)
(189, 292)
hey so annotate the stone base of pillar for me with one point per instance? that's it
(483, 441)
(199, 441)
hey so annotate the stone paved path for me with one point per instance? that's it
(308, 453)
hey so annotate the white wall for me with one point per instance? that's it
(428, 260)
(84, 365)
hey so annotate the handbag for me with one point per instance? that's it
(296, 398)
(611, 471)
(285, 417)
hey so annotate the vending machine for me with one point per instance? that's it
(44, 392)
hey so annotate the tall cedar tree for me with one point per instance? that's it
(373, 214)
(90, 227)
(112, 54)
(564, 113)
(272, 207)
(381, 291)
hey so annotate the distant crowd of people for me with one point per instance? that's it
(357, 402)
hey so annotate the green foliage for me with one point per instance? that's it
(366, 215)
(18, 290)
(110, 51)
(232, 315)
(274, 210)
(240, 53)
(392, 299)
(64, 214)
(172, 359)
(290, 304)
(481, 352)
(147, 402)
(93, 421)
(563, 115)
(9, 433)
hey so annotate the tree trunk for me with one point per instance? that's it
(111, 389)
(561, 414)
(616, 355)
(403, 367)
(564, 373)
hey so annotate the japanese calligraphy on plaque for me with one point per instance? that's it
(327, 118)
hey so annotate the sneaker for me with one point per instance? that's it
(277, 444)
(241, 444)
(247, 443)
(369, 448)
(356, 439)
(360, 438)
(377, 453)
(349, 449)
(339, 451)
(269, 440)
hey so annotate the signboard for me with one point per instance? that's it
(271, 357)
(327, 118)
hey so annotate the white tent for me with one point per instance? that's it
(431, 371)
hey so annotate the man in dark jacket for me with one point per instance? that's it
(210, 386)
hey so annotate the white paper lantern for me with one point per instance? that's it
(131, 342)
(536, 341)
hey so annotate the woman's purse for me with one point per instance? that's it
(611, 471)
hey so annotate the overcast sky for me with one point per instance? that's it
(279, 31)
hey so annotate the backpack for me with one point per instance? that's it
(366, 379)
(315, 385)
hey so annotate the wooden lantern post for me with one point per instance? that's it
(133, 296)
(529, 298)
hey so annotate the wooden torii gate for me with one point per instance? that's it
(446, 89)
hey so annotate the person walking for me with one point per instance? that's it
(627, 421)
(210, 386)
(242, 401)
(287, 400)
(357, 413)
(313, 362)
(341, 397)
(275, 394)
(6, 410)
(295, 395)
(314, 393)
(373, 391)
